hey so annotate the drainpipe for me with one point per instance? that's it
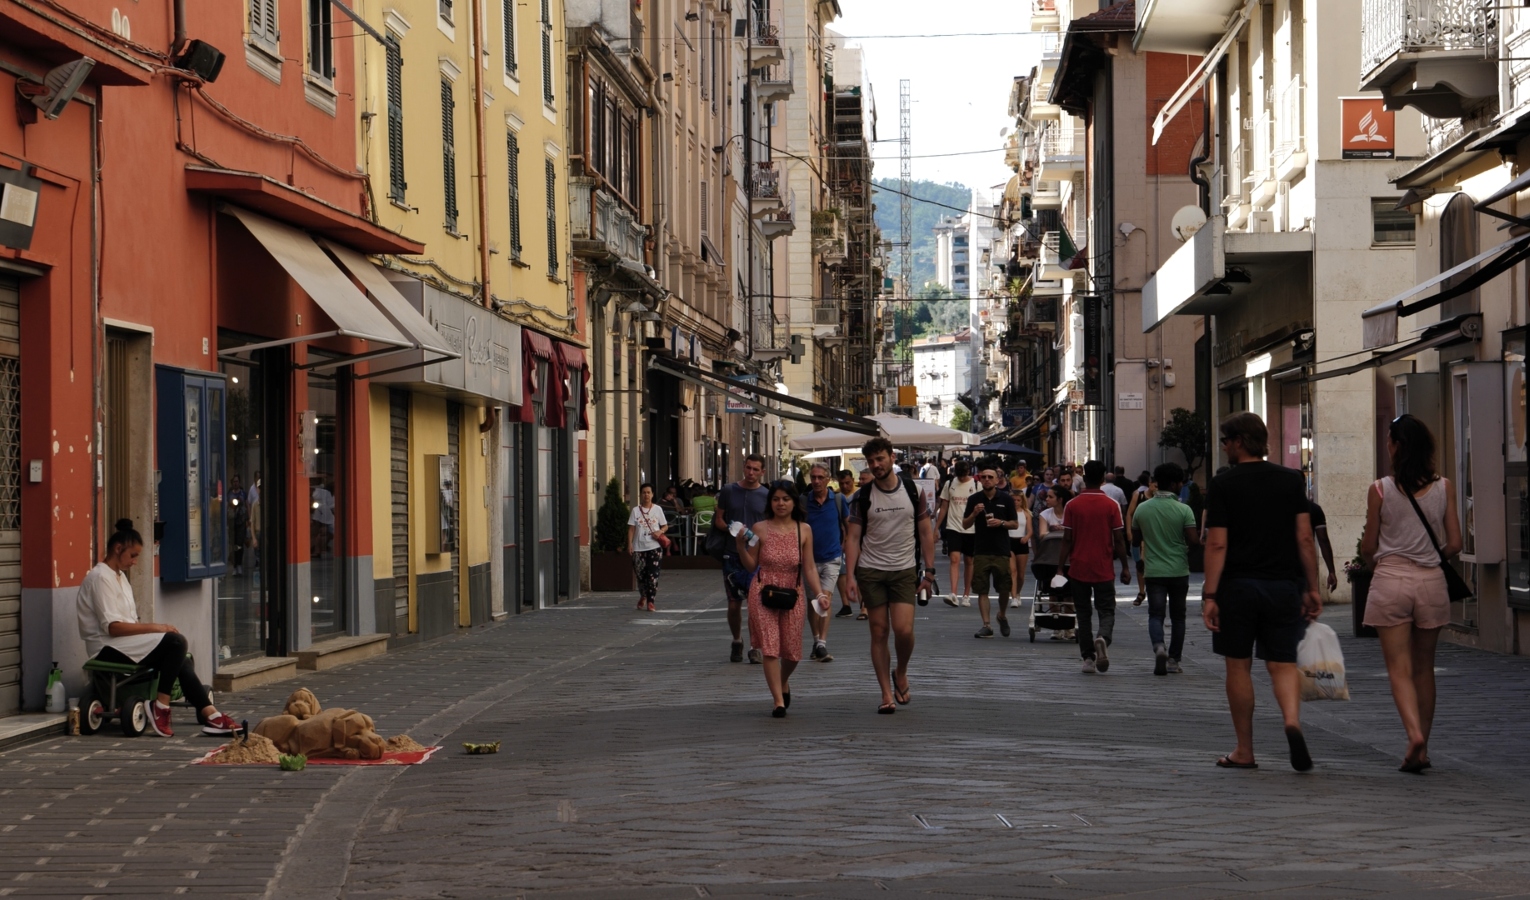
(179, 40)
(477, 48)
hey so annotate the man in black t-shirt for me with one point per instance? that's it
(991, 514)
(1261, 582)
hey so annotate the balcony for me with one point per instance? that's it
(1043, 109)
(1051, 56)
(765, 43)
(1062, 152)
(825, 315)
(775, 82)
(1261, 171)
(1044, 15)
(1437, 56)
(1049, 262)
(781, 221)
(1290, 154)
(764, 190)
(1046, 194)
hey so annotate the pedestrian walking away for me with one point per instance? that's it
(956, 536)
(109, 626)
(645, 526)
(991, 514)
(825, 513)
(888, 533)
(1261, 582)
(740, 504)
(1325, 548)
(1409, 602)
(1019, 548)
(778, 560)
(1093, 535)
(1163, 530)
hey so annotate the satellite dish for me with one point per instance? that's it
(1187, 222)
(1004, 132)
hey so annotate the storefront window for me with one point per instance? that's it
(325, 489)
(1516, 471)
(241, 626)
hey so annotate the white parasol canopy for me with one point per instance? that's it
(903, 431)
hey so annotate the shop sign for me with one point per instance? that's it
(1094, 350)
(1368, 129)
(490, 347)
(736, 401)
(1130, 400)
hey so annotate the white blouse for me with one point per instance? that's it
(106, 596)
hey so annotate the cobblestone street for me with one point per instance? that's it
(639, 763)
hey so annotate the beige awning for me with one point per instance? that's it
(1202, 73)
(1379, 323)
(392, 303)
(353, 315)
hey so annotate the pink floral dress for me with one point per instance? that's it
(777, 632)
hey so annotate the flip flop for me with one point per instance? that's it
(1226, 762)
(1301, 760)
(901, 694)
(862, 615)
(887, 710)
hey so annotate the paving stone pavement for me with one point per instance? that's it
(639, 763)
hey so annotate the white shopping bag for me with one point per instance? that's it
(1322, 664)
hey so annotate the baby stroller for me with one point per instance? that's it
(1051, 608)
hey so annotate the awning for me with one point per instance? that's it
(759, 398)
(264, 194)
(1015, 434)
(353, 315)
(1380, 321)
(1522, 183)
(1459, 330)
(1202, 73)
(423, 335)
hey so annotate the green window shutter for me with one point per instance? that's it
(449, 154)
(513, 148)
(396, 185)
(552, 219)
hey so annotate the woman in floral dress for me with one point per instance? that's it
(777, 560)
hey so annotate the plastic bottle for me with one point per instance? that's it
(56, 698)
(735, 527)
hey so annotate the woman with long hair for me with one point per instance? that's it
(645, 526)
(778, 560)
(1406, 513)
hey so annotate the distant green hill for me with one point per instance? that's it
(925, 216)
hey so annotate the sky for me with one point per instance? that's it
(960, 85)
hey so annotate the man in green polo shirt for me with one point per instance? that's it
(1165, 530)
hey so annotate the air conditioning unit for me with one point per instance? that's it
(825, 315)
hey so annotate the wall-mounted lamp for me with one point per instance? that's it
(669, 76)
(692, 16)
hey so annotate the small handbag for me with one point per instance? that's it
(781, 598)
(1455, 585)
(660, 537)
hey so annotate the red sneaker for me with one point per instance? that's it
(159, 719)
(219, 725)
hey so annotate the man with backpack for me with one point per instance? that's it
(744, 502)
(826, 512)
(888, 533)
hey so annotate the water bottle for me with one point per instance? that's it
(56, 698)
(749, 536)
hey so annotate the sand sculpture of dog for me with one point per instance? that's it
(322, 733)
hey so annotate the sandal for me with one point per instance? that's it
(887, 710)
(901, 694)
(1227, 762)
(862, 615)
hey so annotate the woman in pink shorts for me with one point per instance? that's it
(1408, 602)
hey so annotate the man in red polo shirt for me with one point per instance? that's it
(1094, 536)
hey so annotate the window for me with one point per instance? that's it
(263, 29)
(552, 217)
(513, 150)
(444, 10)
(629, 150)
(547, 50)
(396, 185)
(705, 212)
(1390, 225)
(449, 154)
(597, 154)
(509, 37)
(321, 39)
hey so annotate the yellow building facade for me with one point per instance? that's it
(470, 451)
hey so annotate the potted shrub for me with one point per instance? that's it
(610, 566)
(1359, 578)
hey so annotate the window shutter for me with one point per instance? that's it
(263, 22)
(513, 149)
(547, 66)
(510, 37)
(706, 219)
(396, 185)
(449, 154)
(552, 217)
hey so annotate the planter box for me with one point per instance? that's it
(1360, 589)
(612, 572)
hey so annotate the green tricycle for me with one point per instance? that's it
(121, 691)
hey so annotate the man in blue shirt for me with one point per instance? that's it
(742, 501)
(826, 513)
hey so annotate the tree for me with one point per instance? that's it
(611, 524)
(1188, 433)
(961, 418)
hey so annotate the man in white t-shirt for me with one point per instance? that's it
(1114, 492)
(957, 537)
(928, 471)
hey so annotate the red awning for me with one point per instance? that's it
(573, 360)
(252, 190)
(538, 346)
